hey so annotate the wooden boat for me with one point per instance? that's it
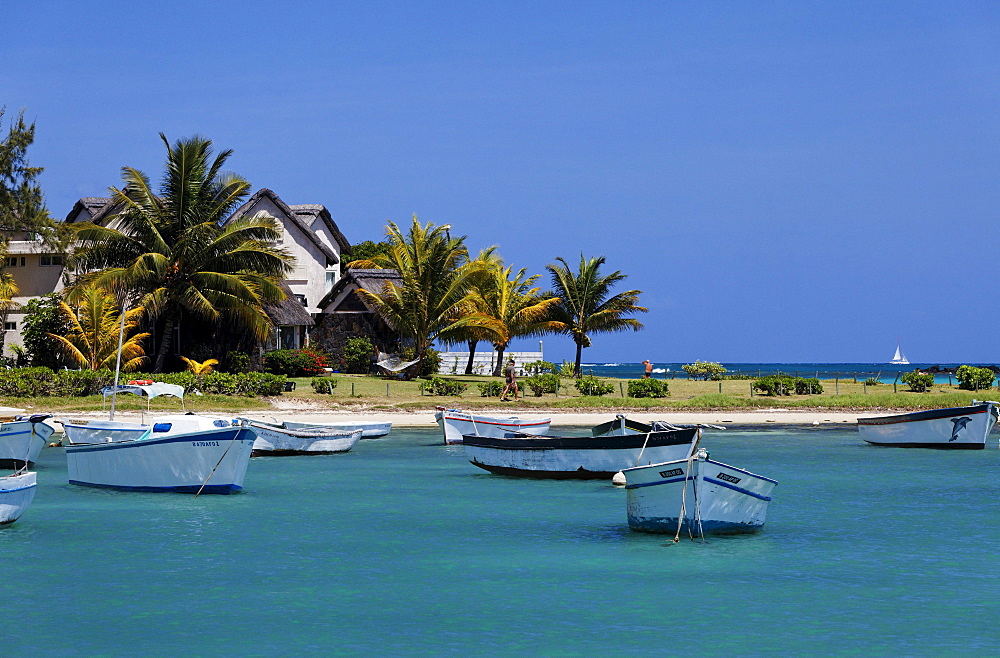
(179, 452)
(696, 496)
(960, 428)
(610, 448)
(22, 438)
(279, 439)
(369, 430)
(455, 423)
(16, 493)
(101, 431)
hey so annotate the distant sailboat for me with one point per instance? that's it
(899, 358)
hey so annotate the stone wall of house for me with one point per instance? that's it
(332, 331)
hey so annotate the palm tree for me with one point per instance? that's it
(8, 291)
(169, 252)
(487, 259)
(586, 305)
(434, 285)
(509, 306)
(92, 340)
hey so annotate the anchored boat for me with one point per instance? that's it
(22, 437)
(455, 423)
(279, 439)
(959, 428)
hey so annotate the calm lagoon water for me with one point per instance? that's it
(402, 547)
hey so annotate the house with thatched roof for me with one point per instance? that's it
(346, 314)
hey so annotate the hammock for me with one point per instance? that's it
(393, 363)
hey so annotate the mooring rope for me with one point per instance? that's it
(692, 455)
(235, 436)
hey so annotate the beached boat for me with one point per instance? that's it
(279, 439)
(455, 423)
(22, 437)
(960, 428)
(696, 496)
(610, 448)
(369, 430)
(16, 493)
(179, 452)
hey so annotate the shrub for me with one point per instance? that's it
(253, 384)
(704, 370)
(42, 317)
(542, 383)
(647, 388)
(775, 385)
(918, 381)
(872, 381)
(539, 367)
(441, 386)
(807, 386)
(566, 369)
(324, 384)
(26, 382)
(236, 362)
(490, 389)
(295, 363)
(591, 385)
(971, 378)
(357, 355)
(431, 363)
(76, 383)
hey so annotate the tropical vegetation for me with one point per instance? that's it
(95, 329)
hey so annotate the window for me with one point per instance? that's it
(50, 261)
(11, 261)
(10, 326)
(302, 300)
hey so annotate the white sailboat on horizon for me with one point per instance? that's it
(899, 358)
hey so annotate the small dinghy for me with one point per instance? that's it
(304, 439)
(22, 437)
(611, 447)
(961, 428)
(455, 423)
(696, 496)
(369, 430)
(16, 493)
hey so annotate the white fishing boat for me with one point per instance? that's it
(455, 423)
(279, 439)
(22, 437)
(79, 430)
(178, 452)
(611, 447)
(16, 493)
(960, 428)
(899, 358)
(696, 496)
(369, 430)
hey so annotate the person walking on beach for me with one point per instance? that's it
(649, 369)
(510, 373)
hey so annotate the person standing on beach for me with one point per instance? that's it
(511, 376)
(649, 369)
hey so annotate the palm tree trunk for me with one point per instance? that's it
(498, 368)
(579, 357)
(472, 356)
(165, 340)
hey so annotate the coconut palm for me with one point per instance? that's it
(424, 308)
(170, 252)
(472, 335)
(586, 305)
(8, 290)
(508, 306)
(92, 340)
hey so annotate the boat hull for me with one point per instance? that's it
(368, 430)
(455, 424)
(102, 431)
(16, 494)
(21, 441)
(960, 428)
(720, 499)
(578, 458)
(182, 462)
(276, 441)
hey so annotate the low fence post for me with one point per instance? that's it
(720, 387)
(621, 389)
(352, 389)
(387, 389)
(836, 385)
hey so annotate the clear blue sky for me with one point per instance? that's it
(784, 181)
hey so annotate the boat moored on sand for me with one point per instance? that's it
(959, 428)
(455, 423)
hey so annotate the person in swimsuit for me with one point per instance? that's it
(649, 369)
(510, 373)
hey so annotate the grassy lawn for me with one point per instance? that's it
(358, 392)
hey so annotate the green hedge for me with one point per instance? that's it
(490, 389)
(41, 382)
(648, 388)
(971, 378)
(786, 385)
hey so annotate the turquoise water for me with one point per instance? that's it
(403, 547)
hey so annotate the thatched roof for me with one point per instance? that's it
(288, 312)
(245, 209)
(372, 280)
(311, 211)
(92, 205)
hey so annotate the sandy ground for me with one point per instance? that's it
(426, 418)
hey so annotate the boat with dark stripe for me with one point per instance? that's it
(959, 428)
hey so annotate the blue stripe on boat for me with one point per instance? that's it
(737, 489)
(222, 435)
(6, 491)
(209, 488)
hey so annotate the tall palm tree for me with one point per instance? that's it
(169, 252)
(586, 305)
(424, 308)
(92, 340)
(508, 306)
(8, 291)
(488, 259)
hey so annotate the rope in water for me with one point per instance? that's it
(235, 436)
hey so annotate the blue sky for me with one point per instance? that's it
(784, 181)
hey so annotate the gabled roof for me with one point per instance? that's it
(291, 214)
(370, 280)
(310, 211)
(92, 205)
